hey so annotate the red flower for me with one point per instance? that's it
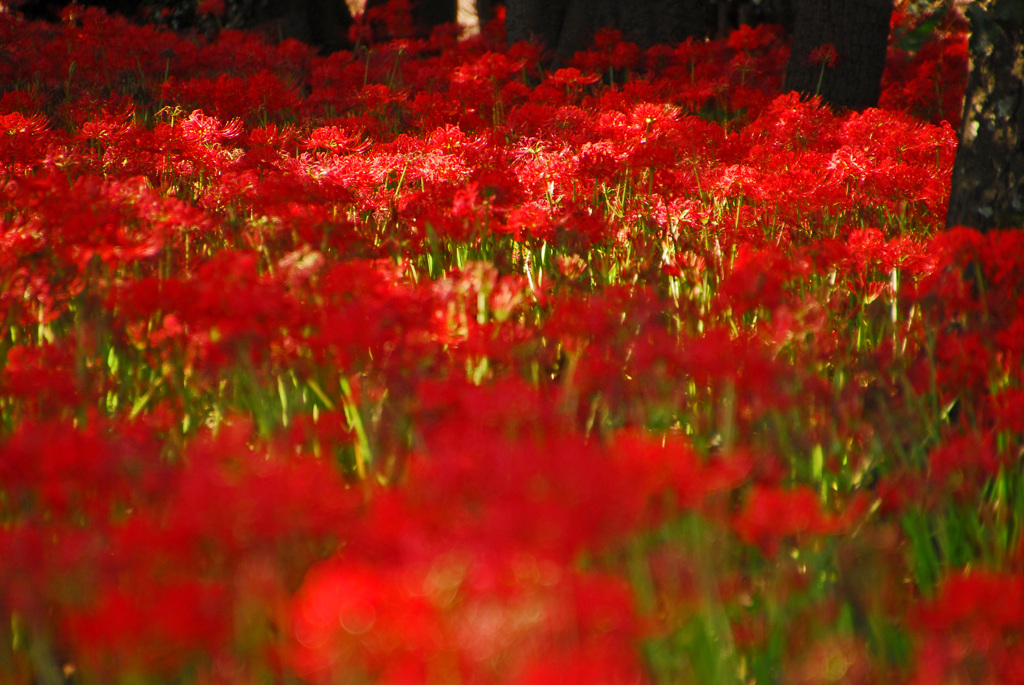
(824, 55)
(963, 464)
(213, 8)
(772, 513)
(156, 627)
(750, 38)
(971, 631)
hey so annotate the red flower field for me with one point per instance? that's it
(421, 364)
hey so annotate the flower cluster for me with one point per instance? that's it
(417, 363)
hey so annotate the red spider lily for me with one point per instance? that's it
(533, 474)
(533, 220)
(41, 380)
(364, 311)
(870, 255)
(929, 81)
(350, 618)
(797, 322)
(215, 8)
(963, 364)
(24, 142)
(484, 620)
(118, 222)
(759, 277)
(62, 487)
(962, 464)
(232, 97)
(833, 163)
(61, 474)
(909, 149)
(239, 53)
(751, 38)
(205, 130)
(412, 277)
(970, 630)
(175, 557)
(609, 51)
(107, 49)
(605, 662)
(334, 82)
(824, 56)
(389, 22)
(491, 67)
(21, 100)
(153, 631)
(335, 139)
(791, 120)
(241, 502)
(110, 127)
(192, 149)
(425, 529)
(1009, 410)
(225, 309)
(265, 149)
(971, 281)
(570, 78)
(772, 514)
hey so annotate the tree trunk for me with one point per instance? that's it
(665, 22)
(426, 14)
(484, 11)
(568, 26)
(987, 190)
(49, 10)
(537, 21)
(777, 12)
(323, 24)
(839, 51)
(329, 22)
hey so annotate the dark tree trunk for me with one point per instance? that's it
(485, 11)
(568, 26)
(665, 22)
(735, 13)
(426, 14)
(329, 24)
(323, 24)
(988, 174)
(535, 20)
(777, 12)
(858, 31)
(50, 10)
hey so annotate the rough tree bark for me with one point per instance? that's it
(987, 189)
(858, 31)
(321, 23)
(568, 26)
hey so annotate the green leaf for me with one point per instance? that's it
(914, 39)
